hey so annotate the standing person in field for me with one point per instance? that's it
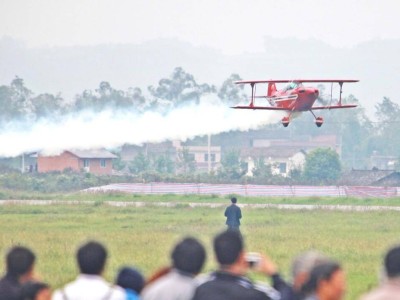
(188, 258)
(90, 285)
(19, 265)
(233, 215)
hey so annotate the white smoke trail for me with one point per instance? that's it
(111, 129)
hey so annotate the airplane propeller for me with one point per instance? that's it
(324, 99)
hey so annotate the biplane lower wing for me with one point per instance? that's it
(261, 107)
(334, 106)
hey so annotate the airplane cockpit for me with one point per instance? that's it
(292, 85)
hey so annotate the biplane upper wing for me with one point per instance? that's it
(261, 81)
(295, 80)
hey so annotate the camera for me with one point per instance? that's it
(253, 259)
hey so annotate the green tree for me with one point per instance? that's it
(118, 164)
(180, 88)
(231, 165)
(230, 92)
(139, 164)
(387, 139)
(261, 169)
(186, 161)
(21, 96)
(15, 101)
(138, 100)
(8, 110)
(105, 96)
(322, 166)
(164, 164)
(45, 105)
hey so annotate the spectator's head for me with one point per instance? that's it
(327, 281)
(302, 266)
(233, 200)
(392, 262)
(91, 258)
(35, 291)
(130, 278)
(188, 256)
(20, 261)
(228, 247)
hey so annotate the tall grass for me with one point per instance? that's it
(143, 236)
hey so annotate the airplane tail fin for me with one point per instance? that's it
(271, 89)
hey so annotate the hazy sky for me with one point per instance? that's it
(233, 26)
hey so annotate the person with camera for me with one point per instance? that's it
(230, 281)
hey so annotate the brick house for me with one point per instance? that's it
(98, 162)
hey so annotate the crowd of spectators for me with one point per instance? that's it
(314, 276)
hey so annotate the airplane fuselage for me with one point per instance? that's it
(299, 99)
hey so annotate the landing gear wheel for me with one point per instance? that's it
(285, 121)
(319, 121)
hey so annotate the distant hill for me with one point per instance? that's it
(70, 70)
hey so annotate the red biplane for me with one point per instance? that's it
(294, 98)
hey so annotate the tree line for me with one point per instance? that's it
(360, 136)
(20, 103)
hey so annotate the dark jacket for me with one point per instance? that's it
(10, 288)
(286, 290)
(233, 215)
(226, 286)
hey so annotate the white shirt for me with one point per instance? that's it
(173, 286)
(90, 287)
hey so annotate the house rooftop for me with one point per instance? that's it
(364, 177)
(273, 152)
(97, 153)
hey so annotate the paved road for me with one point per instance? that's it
(212, 205)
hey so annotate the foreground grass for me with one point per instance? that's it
(143, 236)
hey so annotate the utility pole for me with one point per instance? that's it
(209, 153)
(23, 163)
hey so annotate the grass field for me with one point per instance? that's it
(143, 236)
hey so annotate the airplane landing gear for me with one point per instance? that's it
(319, 121)
(285, 121)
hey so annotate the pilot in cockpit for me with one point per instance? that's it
(292, 85)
